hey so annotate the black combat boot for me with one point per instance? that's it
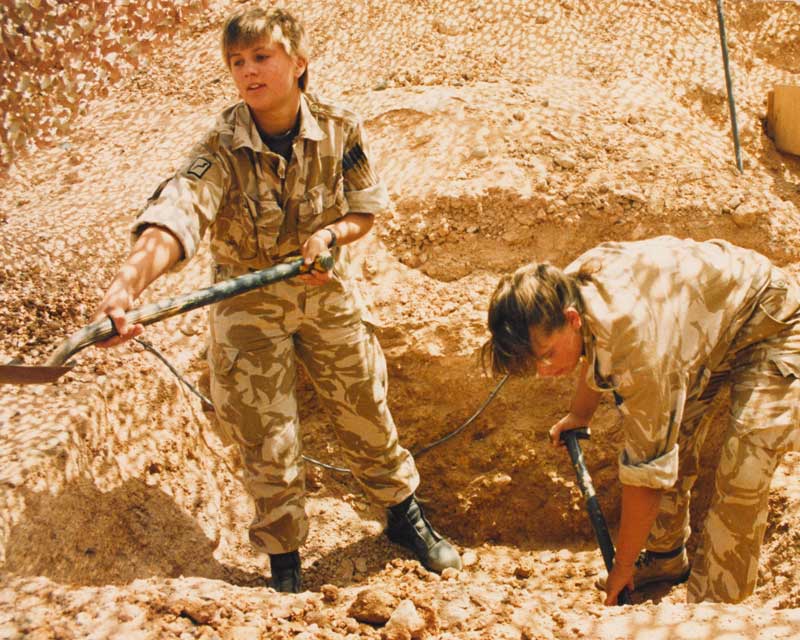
(408, 526)
(285, 569)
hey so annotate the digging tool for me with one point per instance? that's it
(54, 368)
(570, 438)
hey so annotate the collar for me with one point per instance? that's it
(245, 132)
(589, 351)
(309, 127)
(595, 377)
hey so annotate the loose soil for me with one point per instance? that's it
(506, 131)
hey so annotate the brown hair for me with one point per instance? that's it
(248, 25)
(534, 295)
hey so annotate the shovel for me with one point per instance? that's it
(570, 438)
(54, 368)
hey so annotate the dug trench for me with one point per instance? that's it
(131, 478)
(121, 513)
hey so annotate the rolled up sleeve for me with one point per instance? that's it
(371, 200)
(658, 473)
(652, 408)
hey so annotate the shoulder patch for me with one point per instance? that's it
(353, 157)
(199, 167)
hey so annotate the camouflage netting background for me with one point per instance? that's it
(55, 56)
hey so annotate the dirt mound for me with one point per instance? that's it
(506, 132)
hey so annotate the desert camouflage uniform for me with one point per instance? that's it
(259, 209)
(667, 322)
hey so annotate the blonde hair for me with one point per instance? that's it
(249, 25)
(535, 295)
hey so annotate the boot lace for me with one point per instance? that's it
(644, 559)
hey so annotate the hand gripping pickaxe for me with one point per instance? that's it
(55, 367)
(570, 438)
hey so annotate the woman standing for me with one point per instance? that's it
(281, 173)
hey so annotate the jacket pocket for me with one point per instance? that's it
(234, 234)
(268, 217)
(321, 205)
(777, 310)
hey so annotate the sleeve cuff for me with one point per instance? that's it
(659, 473)
(180, 227)
(374, 199)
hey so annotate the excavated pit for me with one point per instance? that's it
(119, 496)
(105, 515)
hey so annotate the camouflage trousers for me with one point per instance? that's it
(764, 424)
(257, 339)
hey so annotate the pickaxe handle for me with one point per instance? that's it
(148, 314)
(570, 438)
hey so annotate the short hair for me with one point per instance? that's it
(536, 295)
(248, 25)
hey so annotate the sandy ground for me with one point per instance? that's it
(506, 131)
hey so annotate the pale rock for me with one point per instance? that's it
(330, 593)
(469, 558)
(734, 201)
(405, 622)
(553, 133)
(374, 606)
(564, 160)
(564, 554)
(455, 613)
(746, 215)
(639, 232)
(525, 568)
(576, 199)
(630, 193)
(245, 633)
(450, 573)
(361, 565)
(546, 557)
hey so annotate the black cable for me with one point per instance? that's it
(419, 452)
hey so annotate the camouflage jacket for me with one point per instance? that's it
(660, 316)
(258, 207)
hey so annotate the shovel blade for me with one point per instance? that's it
(25, 374)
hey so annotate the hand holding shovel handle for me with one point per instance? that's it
(570, 438)
(148, 314)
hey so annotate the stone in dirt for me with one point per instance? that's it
(404, 623)
(374, 606)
